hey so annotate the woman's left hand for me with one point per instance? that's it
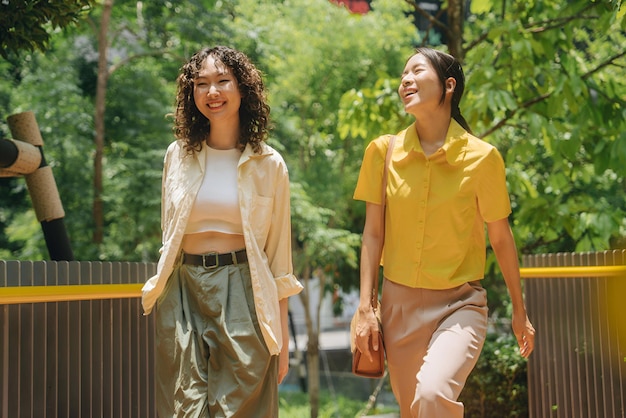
(525, 334)
(283, 363)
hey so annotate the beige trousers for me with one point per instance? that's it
(432, 340)
(211, 359)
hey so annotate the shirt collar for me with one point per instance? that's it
(454, 145)
(249, 153)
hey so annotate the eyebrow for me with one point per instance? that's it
(219, 74)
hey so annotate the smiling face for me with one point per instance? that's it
(216, 92)
(420, 86)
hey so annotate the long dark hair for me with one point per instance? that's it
(192, 127)
(445, 65)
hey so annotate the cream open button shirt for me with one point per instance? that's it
(266, 220)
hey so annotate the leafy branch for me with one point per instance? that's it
(606, 63)
(559, 22)
(504, 121)
(543, 26)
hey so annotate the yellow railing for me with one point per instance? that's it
(33, 294)
(570, 271)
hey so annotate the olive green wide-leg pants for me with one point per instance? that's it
(211, 359)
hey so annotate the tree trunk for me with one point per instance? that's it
(456, 15)
(313, 364)
(312, 350)
(100, 105)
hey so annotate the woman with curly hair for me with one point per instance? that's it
(225, 270)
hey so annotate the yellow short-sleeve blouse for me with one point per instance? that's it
(437, 206)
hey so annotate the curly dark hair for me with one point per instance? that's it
(192, 127)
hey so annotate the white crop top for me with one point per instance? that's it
(216, 208)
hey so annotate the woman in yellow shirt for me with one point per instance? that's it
(444, 185)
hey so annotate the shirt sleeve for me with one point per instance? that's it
(492, 193)
(278, 246)
(370, 178)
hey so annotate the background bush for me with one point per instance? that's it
(498, 386)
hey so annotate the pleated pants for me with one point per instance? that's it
(211, 359)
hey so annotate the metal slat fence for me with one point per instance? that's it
(75, 358)
(74, 342)
(578, 369)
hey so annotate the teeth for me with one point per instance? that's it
(215, 104)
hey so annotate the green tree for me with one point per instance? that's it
(143, 53)
(46, 85)
(131, 30)
(551, 97)
(546, 85)
(312, 53)
(26, 25)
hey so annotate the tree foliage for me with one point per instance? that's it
(313, 52)
(545, 85)
(551, 96)
(544, 82)
(145, 50)
(25, 24)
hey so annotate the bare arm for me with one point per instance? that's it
(370, 262)
(503, 244)
(283, 358)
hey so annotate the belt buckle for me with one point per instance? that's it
(208, 256)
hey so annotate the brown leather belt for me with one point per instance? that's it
(213, 260)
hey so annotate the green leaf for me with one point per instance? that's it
(481, 6)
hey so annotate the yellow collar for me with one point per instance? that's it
(454, 145)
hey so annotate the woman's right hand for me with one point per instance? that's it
(366, 326)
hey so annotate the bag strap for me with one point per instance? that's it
(392, 140)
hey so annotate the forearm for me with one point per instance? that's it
(503, 244)
(370, 255)
(369, 267)
(284, 320)
(510, 271)
(283, 358)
